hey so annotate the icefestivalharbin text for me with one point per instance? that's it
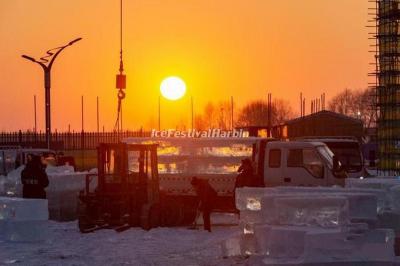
(211, 133)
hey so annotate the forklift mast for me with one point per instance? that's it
(127, 192)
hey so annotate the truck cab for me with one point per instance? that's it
(297, 163)
(348, 152)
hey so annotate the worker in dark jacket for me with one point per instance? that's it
(207, 196)
(246, 176)
(34, 179)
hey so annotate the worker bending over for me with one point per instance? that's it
(207, 196)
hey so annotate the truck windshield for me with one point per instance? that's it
(348, 154)
(327, 154)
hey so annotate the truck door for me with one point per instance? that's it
(304, 167)
(273, 167)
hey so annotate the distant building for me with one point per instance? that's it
(323, 123)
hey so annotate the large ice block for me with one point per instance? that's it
(2, 185)
(319, 211)
(305, 209)
(394, 198)
(254, 217)
(362, 206)
(63, 169)
(249, 198)
(231, 247)
(377, 183)
(323, 245)
(62, 194)
(363, 203)
(371, 245)
(280, 241)
(19, 209)
(68, 181)
(12, 185)
(24, 231)
(389, 219)
(23, 219)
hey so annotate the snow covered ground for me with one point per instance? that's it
(161, 246)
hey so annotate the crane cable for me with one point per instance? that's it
(121, 93)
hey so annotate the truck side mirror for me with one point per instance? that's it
(336, 164)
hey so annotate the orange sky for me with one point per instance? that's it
(242, 48)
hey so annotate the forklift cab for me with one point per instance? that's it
(127, 192)
(126, 168)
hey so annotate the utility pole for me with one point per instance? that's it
(34, 112)
(159, 112)
(97, 114)
(232, 113)
(191, 102)
(82, 125)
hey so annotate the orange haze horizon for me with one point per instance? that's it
(224, 48)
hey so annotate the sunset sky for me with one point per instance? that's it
(221, 48)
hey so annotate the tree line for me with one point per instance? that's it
(355, 103)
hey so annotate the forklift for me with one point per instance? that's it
(127, 192)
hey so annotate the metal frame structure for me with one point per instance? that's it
(386, 19)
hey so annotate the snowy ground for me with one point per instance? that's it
(161, 246)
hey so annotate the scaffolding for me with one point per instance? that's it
(386, 36)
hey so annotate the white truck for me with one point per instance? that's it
(297, 163)
(294, 163)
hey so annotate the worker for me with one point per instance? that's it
(246, 176)
(207, 196)
(34, 178)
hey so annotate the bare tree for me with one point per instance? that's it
(355, 103)
(256, 113)
(281, 111)
(200, 122)
(342, 102)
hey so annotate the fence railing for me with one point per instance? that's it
(66, 140)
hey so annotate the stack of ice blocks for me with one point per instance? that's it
(23, 219)
(62, 194)
(312, 225)
(389, 212)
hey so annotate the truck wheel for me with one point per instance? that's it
(172, 213)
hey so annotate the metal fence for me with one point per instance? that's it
(66, 140)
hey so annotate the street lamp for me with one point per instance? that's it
(46, 62)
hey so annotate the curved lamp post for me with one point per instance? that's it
(46, 62)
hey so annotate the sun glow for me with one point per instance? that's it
(173, 88)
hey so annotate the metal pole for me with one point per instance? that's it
(47, 86)
(301, 104)
(34, 111)
(121, 116)
(232, 113)
(191, 100)
(46, 63)
(97, 112)
(82, 113)
(159, 113)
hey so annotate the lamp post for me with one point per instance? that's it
(46, 62)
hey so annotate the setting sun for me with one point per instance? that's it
(173, 88)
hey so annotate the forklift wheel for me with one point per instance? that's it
(84, 223)
(150, 217)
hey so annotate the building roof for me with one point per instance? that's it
(323, 113)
